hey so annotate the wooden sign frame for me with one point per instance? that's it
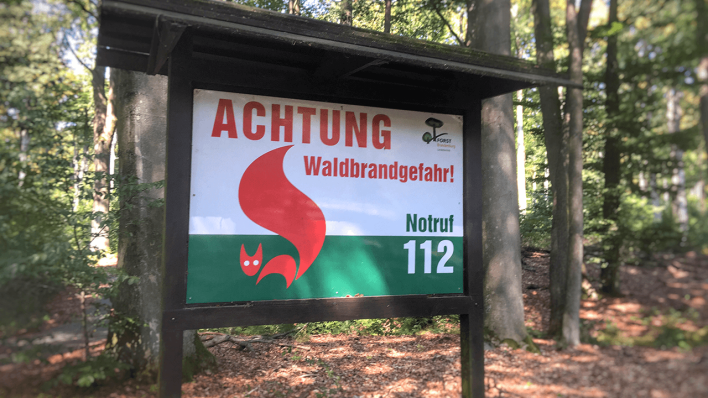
(185, 75)
(215, 45)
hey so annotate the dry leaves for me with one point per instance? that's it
(428, 365)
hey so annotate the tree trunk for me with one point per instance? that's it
(655, 198)
(80, 168)
(699, 190)
(520, 147)
(504, 309)
(520, 153)
(346, 12)
(23, 157)
(556, 139)
(387, 16)
(103, 128)
(294, 7)
(141, 103)
(702, 45)
(576, 25)
(611, 166)
(679, 205)
(704, 103)
(470, 29)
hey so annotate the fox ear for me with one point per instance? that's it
(243, 253)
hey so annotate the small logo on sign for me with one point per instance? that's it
(435, 124)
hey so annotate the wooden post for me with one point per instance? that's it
(471, 324)
(176, 237)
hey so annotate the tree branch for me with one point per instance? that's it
(459, 41)
(86, 10)
(76, 55)
(583, 19)
(246, 343)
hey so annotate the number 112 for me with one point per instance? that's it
(445, 246)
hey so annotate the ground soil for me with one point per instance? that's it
(427, 365)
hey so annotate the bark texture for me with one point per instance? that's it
(702, 45)
(471, 28)
(556, 139)
(387, 16)
(141, 112)
(520, 153)
(611, 165)
(576, 25)
(679, 205)
(504, 310)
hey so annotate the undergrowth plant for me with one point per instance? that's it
(361, 327)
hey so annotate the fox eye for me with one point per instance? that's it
(255, 262)
(247, 263)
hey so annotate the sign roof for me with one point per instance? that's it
(134, 35)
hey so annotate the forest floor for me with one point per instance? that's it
(648, 343)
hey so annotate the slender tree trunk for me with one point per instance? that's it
(471, 28)
(294, 7)
(520, 147)
(679, 205)
(576, 25)
(113, 160)
(84, 324)
(546, 174)
(520, 153)
(699, 190)
(346, 12)
(611, 166)
(387, 16)
(702, 45)
(556, 144)
(80, 168)
(504, 310)
(655, 198)
(23, 157)
(103, 127)
(704, 103)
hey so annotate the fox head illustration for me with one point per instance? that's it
(251, 264)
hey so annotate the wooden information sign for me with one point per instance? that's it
(315, 172)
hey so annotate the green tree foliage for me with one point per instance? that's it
(655, 54)
(45, 113)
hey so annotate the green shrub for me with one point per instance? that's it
(375, 327)
(535, 224)
(93, 371)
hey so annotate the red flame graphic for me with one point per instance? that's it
(269, 199)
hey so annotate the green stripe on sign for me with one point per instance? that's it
(346, 266)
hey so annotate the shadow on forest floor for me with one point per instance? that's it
(664, 302)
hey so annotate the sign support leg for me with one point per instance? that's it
(170, 377)
(174, 268)
(472, 355)
(472, 323)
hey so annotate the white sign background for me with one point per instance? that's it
(351, 206)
